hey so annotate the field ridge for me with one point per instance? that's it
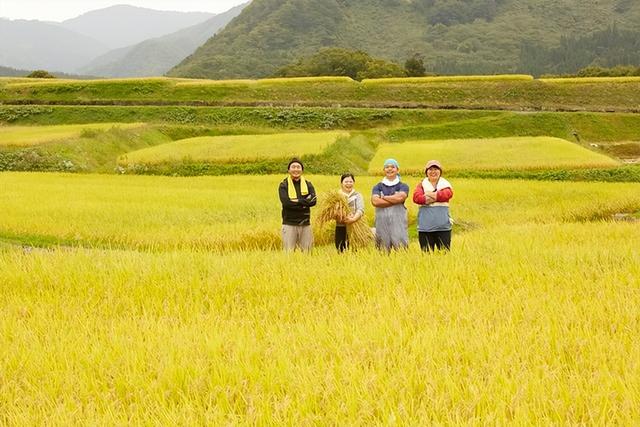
(604, 95)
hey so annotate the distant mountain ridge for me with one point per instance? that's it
(124, 25)
(71, 45)
(453, 36)
(39, 45)
(154, 57)
(13, 72)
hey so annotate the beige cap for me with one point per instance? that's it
(432, 163)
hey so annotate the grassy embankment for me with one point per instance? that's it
(515, 93)
(614, 133)
(99, 151)
(532, 319)
(223, 155)
(90, 151)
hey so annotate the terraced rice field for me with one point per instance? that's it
(138, 300)
(24, 136)
(235, 148)
(515, 153)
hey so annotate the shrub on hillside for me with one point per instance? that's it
(342, 62)
(617, 71)
(414, 66)
(41, 74)
(13, 113)
(597, 71)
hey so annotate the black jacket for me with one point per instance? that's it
(296, 213)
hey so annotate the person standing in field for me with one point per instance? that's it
(434, 222)
(297, 196)
(388, 197)
(356, 207)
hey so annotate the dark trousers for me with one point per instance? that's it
(430, 241)
(342, 242)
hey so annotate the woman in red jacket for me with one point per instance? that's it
(434, 222)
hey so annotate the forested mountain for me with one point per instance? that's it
(606, 48)
(156, 56)
(123, 25)
(453, 36)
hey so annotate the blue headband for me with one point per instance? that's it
(392, 162)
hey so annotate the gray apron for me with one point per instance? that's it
(391, 227)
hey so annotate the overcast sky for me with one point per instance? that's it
(59, 10)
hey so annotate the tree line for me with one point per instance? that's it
(356, 64)
(604, 49)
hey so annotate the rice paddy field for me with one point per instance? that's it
(440, 79)
(573, 80)
(235, 148)
(156, 300)
(166, 299)
(243, 212)
(523, 153)
(23, 136)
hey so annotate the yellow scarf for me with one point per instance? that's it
(304, 189)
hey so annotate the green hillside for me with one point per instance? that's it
(454, 36)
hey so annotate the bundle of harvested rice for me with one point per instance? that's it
(334, 207)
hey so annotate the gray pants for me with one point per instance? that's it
(300, 236)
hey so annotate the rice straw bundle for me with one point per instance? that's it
(334, 207)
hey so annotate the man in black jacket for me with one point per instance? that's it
(297, 196)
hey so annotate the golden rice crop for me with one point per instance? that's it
(527, 324)
(242, 212)
(230, 148)
(532, 318)
(36, 135)
(8, 80)
(520, 153)
(41, 82)
(318, 79)
(445, 79)
(269, 81)
(334, 208)
(205, 82)
(625, 79)
(67, 82)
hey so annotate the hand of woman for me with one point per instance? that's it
(350, 219)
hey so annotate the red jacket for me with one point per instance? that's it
(441, 196)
